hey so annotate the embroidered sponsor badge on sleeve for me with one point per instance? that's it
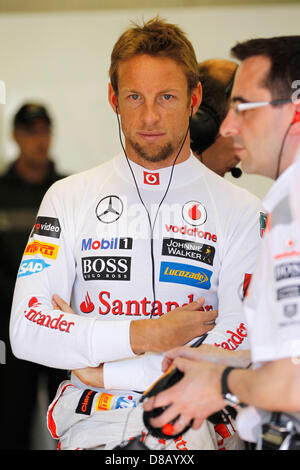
(47, 227)
(85, 403)
(32, 266)
(48, 250)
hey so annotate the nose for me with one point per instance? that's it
(230, 126)
(150, 114)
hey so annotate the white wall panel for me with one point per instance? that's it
(62, 59)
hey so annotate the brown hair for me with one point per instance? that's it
(157, 38)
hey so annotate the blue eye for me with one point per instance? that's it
(167, 97)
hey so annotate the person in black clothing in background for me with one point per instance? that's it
(213, 150)
(22, 188)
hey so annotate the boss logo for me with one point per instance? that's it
(106, 268)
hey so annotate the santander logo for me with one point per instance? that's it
(87, 305)
(135, 307)
(47, 319)
(33, 302)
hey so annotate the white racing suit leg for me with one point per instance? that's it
(72, 418)
(228, 438)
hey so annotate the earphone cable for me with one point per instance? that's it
(152, 226)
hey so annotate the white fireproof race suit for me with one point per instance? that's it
(272, 306)
(91, 245)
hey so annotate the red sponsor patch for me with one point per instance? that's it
(151, 178)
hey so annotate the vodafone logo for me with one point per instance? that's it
(194, 213)
(151, 178)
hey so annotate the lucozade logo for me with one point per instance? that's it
(185, 274)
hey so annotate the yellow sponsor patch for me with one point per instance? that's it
(104, 401)
(48, 250)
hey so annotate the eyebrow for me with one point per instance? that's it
(234, 99)
(167, 90)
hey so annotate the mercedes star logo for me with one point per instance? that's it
(109, 209)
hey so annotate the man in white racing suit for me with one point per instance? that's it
(132, 245)
(264, 121)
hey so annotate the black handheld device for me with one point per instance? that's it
(167, 380)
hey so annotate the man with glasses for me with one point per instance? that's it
(264, 121)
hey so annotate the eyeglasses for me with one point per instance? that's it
(238, 107)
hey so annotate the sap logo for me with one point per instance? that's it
(185, 274)
(32, 266)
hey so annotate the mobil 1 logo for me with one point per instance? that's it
(106, 268)
(89, 244)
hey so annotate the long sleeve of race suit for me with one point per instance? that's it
(52, 263)
(40, 333)
(239, 250)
